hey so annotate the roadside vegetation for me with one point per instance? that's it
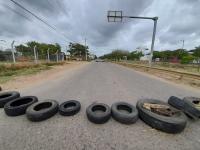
(181, 59)
(33, 57)
(8, 71)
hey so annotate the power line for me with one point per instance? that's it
(24, 16)
(37, 17)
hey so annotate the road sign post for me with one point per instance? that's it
(117, 16)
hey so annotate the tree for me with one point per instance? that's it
(196, 54)
(78, 50)
(135, 55)
(24, 50)
(187, 59)
(119, 54)
(41, 48)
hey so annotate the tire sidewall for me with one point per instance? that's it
(69, 112)
(43, 114)
(21, 109)
(123, 117)
(100, 118)
(173, 124)
(13, 95)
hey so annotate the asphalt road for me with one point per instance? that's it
(97, 82)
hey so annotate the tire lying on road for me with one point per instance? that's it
(98, 113)
(8, 96)
(69, 108)
(170, 124)
(192, 107)
(42, 110)
(176, 102)
(18, 106)
(124, 113)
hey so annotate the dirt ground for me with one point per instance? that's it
(184, 81)
(24, 81)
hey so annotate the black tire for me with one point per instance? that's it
(176, 102)
(18, 106)
(42, 110)
(173, 124)
(190, 108)
(69, 108)
(128, 117)
(98, 118)
(8, 96)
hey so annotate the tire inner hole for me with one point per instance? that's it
(21, 102)
(5, 95)
(98, 109)
(69, 105)
(196, 102)
(41, 106)
(124, 109)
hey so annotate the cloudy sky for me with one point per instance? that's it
(76, 20)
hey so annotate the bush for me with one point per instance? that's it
(187, 59)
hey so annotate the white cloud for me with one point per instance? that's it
(85, 18)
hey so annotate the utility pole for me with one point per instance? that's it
(183, 43)
(57, 56)
(12, 49)
(48, 55)
(85, 49)
(35, 55)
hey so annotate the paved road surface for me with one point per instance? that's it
(97, 82)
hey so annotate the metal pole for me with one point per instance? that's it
(153, 40)
(12, 49)
(48, 55)
(85, 50)
(183, 44)
(57, 56)
(35, 56)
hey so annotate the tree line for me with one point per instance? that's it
(75, 50)
(122, 54)
(184, 56)
(42, 48)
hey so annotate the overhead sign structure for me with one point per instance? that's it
(117, 16)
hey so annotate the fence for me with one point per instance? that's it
(6, 56)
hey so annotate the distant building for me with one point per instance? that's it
(145, 58)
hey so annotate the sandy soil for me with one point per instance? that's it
(24, 81)
(182, 81)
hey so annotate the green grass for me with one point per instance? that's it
(8, 72)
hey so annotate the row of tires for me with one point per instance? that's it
(171, 120)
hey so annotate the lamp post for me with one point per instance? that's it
(117, 16)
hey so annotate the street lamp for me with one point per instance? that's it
(117, 16)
